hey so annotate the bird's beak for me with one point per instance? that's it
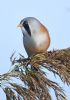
(20, 25)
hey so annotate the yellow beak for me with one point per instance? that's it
(20, 25)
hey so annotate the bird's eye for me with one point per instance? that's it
(25, 23)
(27, 28)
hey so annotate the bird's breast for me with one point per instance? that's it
(38, 42)
(42, 41)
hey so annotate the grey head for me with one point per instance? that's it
(27, 23)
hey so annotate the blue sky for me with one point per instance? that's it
(55, 15)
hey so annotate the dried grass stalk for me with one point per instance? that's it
(36, 83)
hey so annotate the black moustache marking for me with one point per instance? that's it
(27, 28)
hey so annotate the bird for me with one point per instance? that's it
(36, 38)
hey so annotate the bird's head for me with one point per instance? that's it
(29, 25)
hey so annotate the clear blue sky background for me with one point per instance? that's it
(54, 14)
